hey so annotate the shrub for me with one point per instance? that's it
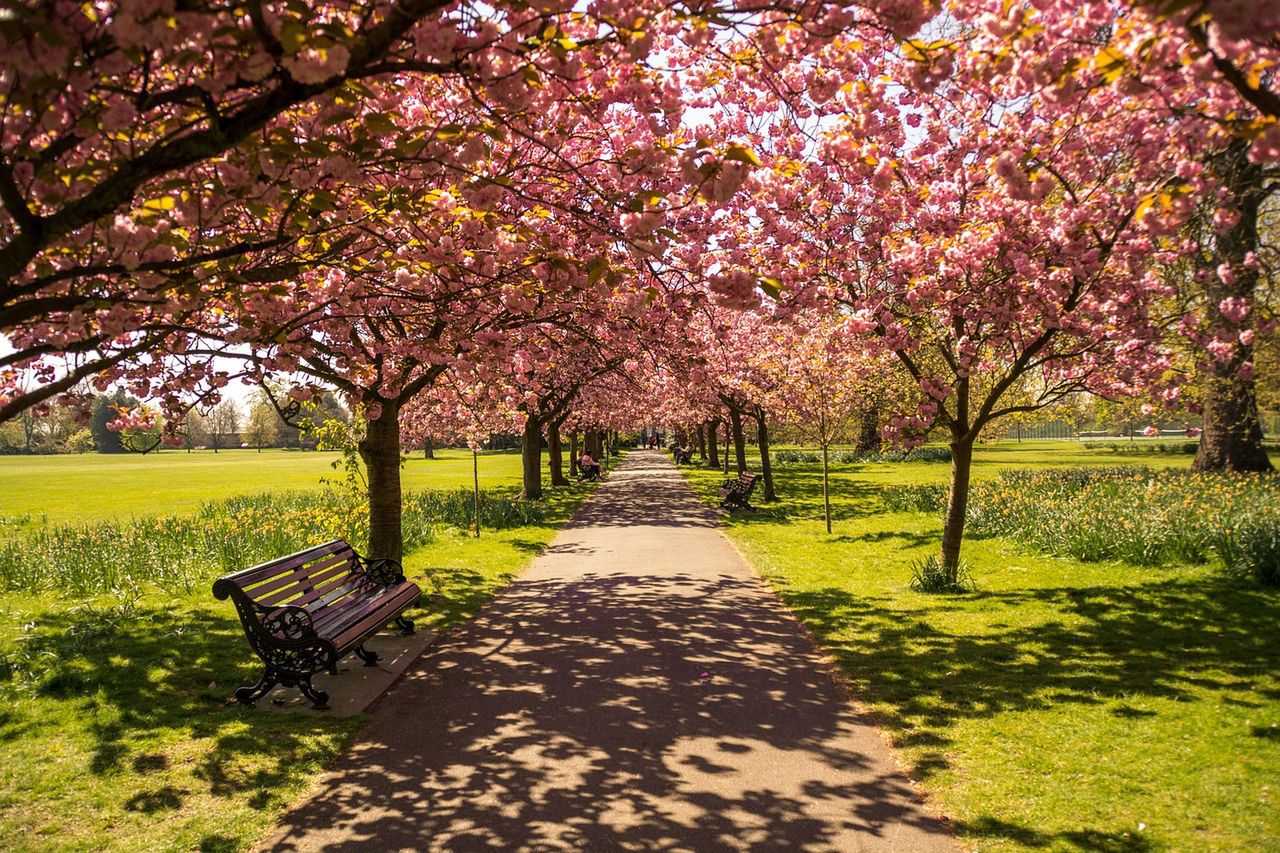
(1142, 516)
(933, 575)
(184, 552)
(928, 498)
(853, 457)
(916, 454)
(1186, 448)
(786, 457)
(1252, 550)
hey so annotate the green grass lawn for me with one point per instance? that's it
(113, 731)
(92, 486)
(1062, 706)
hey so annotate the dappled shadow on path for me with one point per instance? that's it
(646, 492)
(617, 711)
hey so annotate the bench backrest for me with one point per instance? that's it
(314, 579)
(748, 479)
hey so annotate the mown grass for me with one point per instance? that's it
(114, 733)
(95, 486)
(1063, 705)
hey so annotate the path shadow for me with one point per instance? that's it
(614, 711)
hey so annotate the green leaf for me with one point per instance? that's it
(742, 154)
(292, 36)
(381, 124)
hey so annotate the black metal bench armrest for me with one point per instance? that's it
(383, 570)
(286, 624)
(282, 625)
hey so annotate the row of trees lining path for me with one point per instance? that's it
(476, 218)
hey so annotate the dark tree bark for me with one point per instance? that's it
(739, 440)
(1232, 435)
(826, 488)
(555, 455)
(713, 443)
(869, 430)
(766, 464)
(531, 458)
(380, 450)
(958, 503)
(573, 454)
(700, 436)
(428, 451)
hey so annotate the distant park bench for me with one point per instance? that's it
(304, 612)
(683, 457)
(736, 493)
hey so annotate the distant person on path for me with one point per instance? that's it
(590, 467)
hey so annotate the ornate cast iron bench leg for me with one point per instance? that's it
(248, 695)
(369, 658)
(406, 625)
(319, 699)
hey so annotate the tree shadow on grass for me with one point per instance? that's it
(1085, 839)
(909, 539)
(463, 592)
(156, 680)
(1160, 640)
(1171, 639)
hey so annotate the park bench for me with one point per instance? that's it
(683, 457)
(304, 612)
(736, 493)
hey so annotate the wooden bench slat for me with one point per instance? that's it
(271, 568)
(371, 618)
(287, 572)
(300, 581)
(314, 601)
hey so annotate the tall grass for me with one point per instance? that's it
(184, 552)
(1143, 516)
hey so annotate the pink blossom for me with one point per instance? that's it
(1234, 308)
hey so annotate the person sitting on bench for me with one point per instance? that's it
(590, 468)
(684, 455)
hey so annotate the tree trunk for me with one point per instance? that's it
(826, 491)
(428, 451)
(766, 464)
(869, 431)
(701, 436)
(739, 441)
(475, 493)
(531, 458)
(573, 454)
(1232, 436)
(555, 455)
(713, 443)
(380, 450)
(958, 501)
(728, 434)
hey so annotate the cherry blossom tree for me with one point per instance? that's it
(996, 239)
(824, 379)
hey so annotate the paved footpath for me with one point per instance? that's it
(638, 688)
